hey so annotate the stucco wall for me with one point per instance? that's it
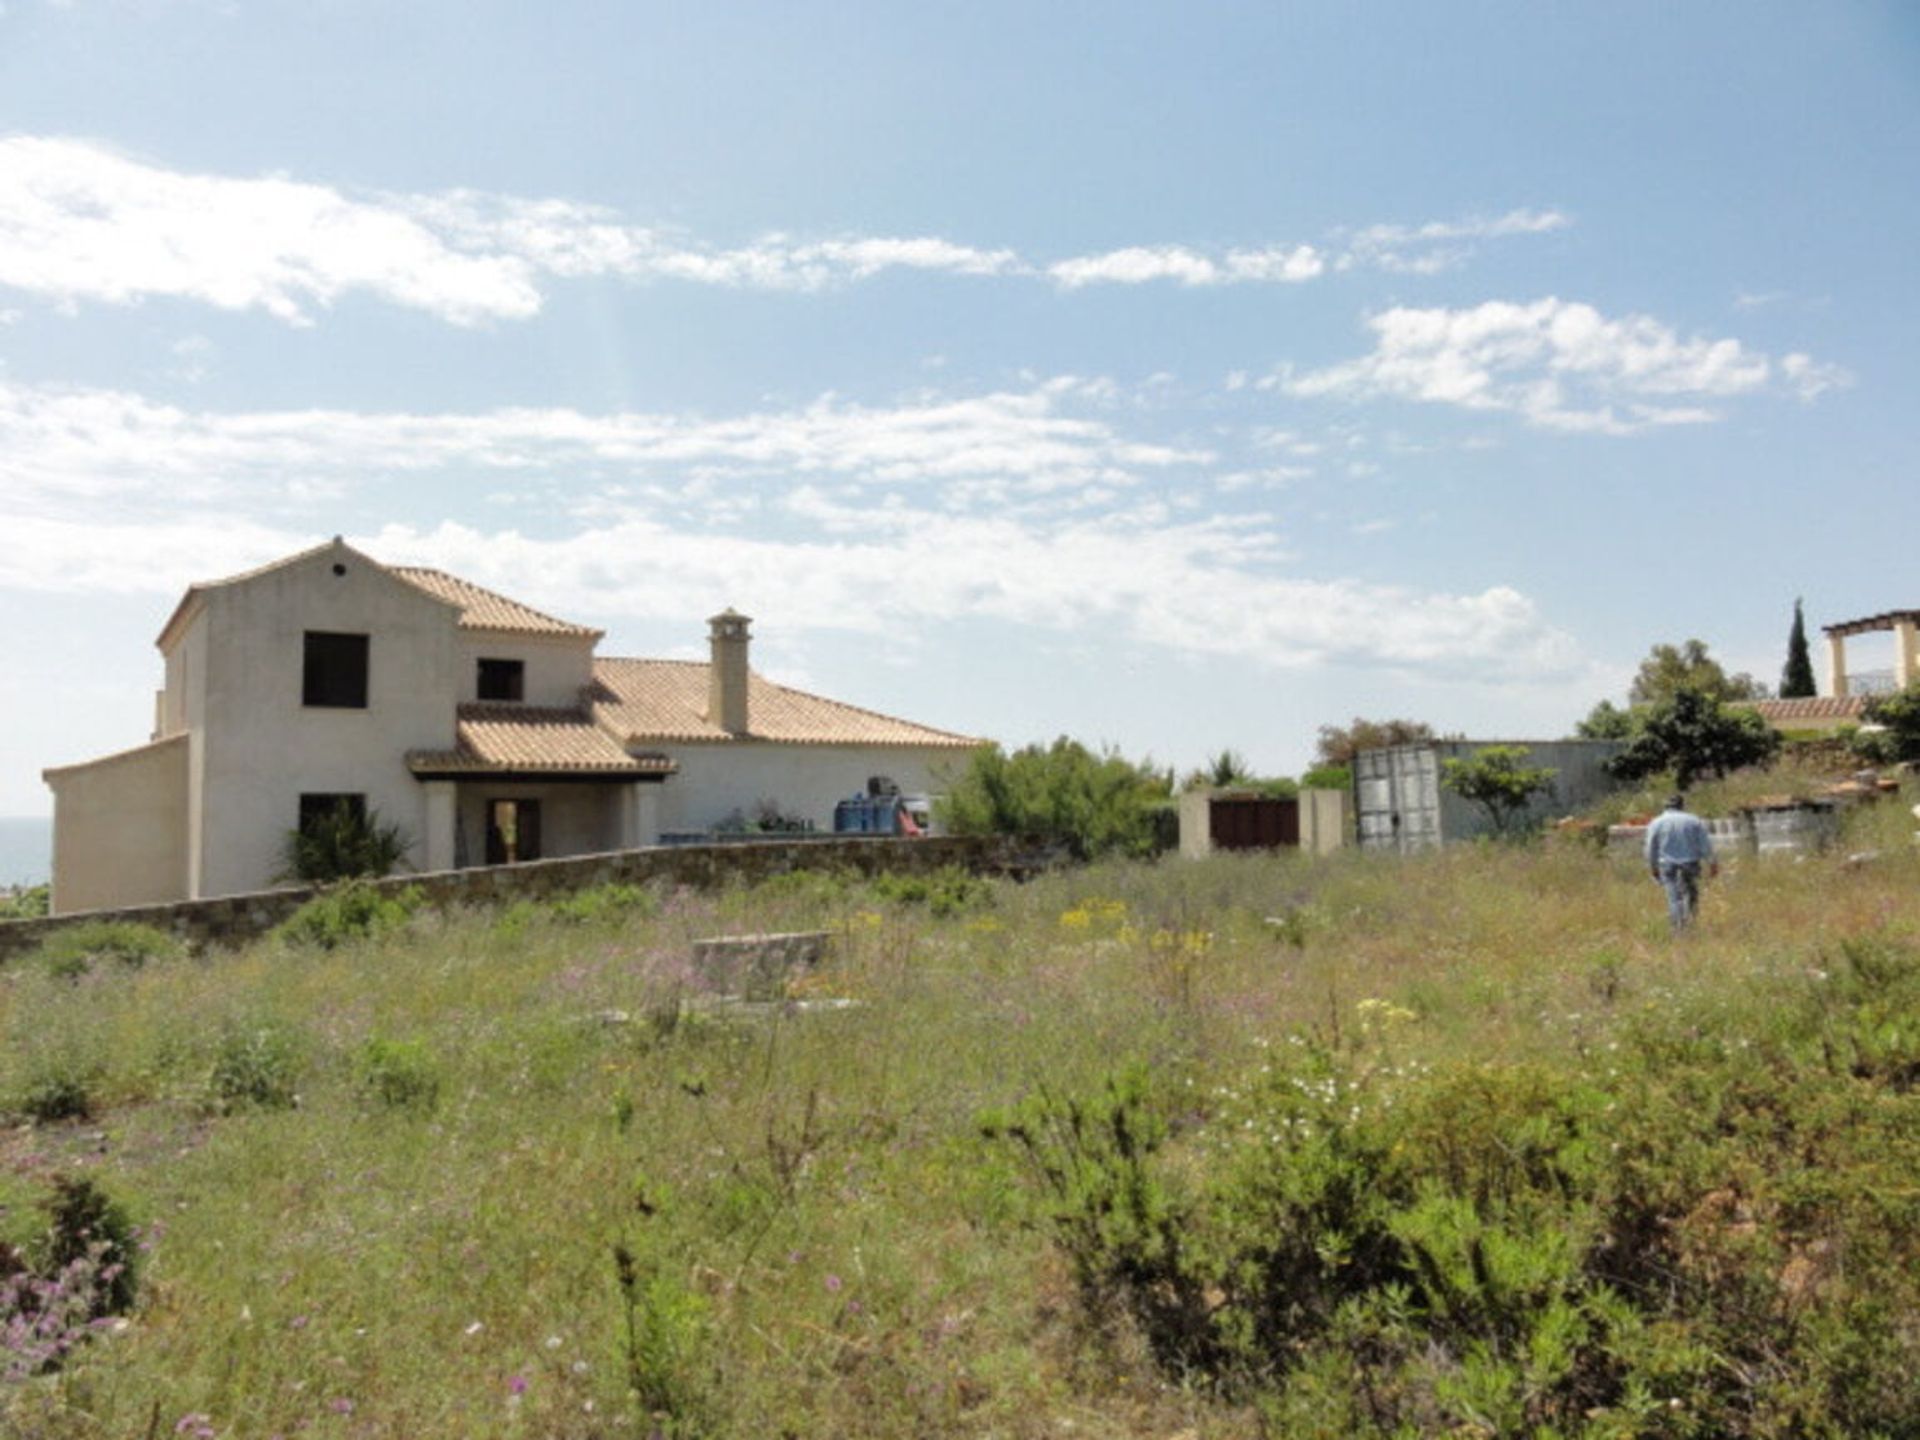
(120, 828)
(558, 668)
(264, 748)
(805, 781)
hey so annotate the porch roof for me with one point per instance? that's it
(498, 738)
(1867, 624)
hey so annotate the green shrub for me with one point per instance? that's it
(606, 904)
(949, 890)
(31, 902)
(1063, 794)
(397, 1075)
(351, 912)
(256, 1067)
(348, 842)
(60, 1086)
(85, 1223)
(72, 952)
(1523, 1249)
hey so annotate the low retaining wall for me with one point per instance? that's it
(236, 919)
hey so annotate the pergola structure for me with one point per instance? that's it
(1905, 625)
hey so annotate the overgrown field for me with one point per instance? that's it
(1462, 1145)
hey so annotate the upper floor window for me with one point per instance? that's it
(335, 672)
(503, 680)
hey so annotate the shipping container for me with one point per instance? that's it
(1402, 805)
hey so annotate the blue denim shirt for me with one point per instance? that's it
(1677, 838)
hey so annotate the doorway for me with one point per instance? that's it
(513, 831)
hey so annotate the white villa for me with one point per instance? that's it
(488, 731)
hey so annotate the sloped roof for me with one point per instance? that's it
(1811, 707)
(190, 602)
(499, 738)
(666, 700)
(484, 609)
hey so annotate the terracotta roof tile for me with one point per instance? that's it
(1812, 707)
(495, 737)
(483, 609)
(666, 700)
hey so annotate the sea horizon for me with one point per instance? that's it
(26, 850)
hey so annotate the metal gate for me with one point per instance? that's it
(1252, 822)
(1399, 798)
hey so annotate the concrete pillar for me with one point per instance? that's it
(1904, 656)
(443, 815)
(640, 815)
(1837, 665)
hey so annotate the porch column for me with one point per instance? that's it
(1903, 653)
(1837, 656)
(442, 815)
(640, 815)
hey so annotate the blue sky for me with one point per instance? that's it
(1171, 376)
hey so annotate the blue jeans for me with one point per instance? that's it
(1681, 879)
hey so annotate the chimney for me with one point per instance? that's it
(727, 674)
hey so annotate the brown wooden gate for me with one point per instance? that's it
(1253, 822)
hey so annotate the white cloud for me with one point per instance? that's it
(79, 222)
(82, 222)
(1440, 244)
(1558, 363)
(1015, 507)
(83, 445)
(1139, 264)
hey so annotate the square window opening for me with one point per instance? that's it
(334, 674)
(503, 680)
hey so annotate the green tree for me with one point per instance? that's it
(1499, 781)
(1062, 793)
(1796, 680)
(1228, 767)
(1338, 744)
(1607, 721)
(1900, 713)
(1692, 734)
(1669, 669)
(343, 844)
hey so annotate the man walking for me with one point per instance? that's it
(1678, 846)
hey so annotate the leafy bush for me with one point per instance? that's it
(1522, 1249)
(256, 1067)
(72, 952)
(85, 1271)
(59, 1086)
(397, 1075)
(1062, 794)
(947, 891)
(1900, 714)
(1328, 777)
(28, 903)
(604, 904)
(1691, 733)
(1499, 781)
(346, 843)
(351, 912)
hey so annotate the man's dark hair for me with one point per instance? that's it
(1676, 801)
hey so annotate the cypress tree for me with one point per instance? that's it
(1796, 681)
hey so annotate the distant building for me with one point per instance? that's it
(488, 731)
(1850, 691)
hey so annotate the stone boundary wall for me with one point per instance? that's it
(235, 919)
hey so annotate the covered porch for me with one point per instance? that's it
(525, 783)
(1905, 626)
